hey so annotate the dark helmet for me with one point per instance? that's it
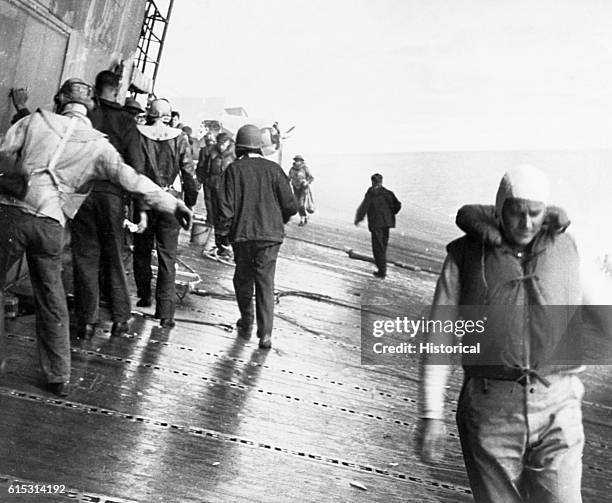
(249, 137)
(133, 106)
(74, 90)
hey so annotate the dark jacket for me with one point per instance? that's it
(167, 154)
(204, 162)
(255, 201)
(111, 119)
(217, 164)
(381, 206)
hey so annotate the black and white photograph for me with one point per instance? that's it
(271, 251)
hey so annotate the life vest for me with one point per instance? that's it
(530, 300)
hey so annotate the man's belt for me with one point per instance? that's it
(522, 376)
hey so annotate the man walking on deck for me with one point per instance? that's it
(519, 414)
(62, 154)
(301, 178)
(167, 156)
(202, 173)
(255, 201)
(381, 206)
(220, 158)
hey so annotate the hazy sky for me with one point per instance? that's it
(402, 75)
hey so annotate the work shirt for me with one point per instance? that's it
(87, 156)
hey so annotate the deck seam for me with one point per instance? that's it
(205, 432)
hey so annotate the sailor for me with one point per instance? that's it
(301, 178)
(98, 236)
(255, 201)
(381, 206)
(62, 154)
(167, 157)
(202, 173)
(220, 158)
(519, 413)
(135, 109)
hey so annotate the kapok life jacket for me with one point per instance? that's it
(530, 300)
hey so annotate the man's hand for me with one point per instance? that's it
(183, 214)
(142, 225)
(19, 97)
(431, 440)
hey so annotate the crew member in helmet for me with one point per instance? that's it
(135, 109)
(255, 201)
(62, 154)
(167, 157)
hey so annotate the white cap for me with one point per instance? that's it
(522, 182)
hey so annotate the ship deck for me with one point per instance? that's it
(196, 414)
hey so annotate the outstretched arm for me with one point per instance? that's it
(109, 166)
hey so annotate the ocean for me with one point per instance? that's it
(433, 185)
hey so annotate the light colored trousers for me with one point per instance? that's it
(522, 443)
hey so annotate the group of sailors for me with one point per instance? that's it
(95, 166)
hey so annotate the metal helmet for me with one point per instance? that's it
(74, 90)
(160, 108)
(249, 137)
(132, 105)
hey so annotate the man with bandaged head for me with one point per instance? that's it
(519, 413)
(167, 161)
(61, 153)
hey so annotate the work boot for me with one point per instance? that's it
(379, 274)
(119, 328)
(59, 388)
(144, 302)
(244, 329)
(167, 323)
(225, 252)
(265, 341)
(86, 331)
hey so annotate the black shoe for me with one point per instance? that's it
(119, 328)
(379, 274)
(244, 329)
(166, 323)
(86, 331)
(59, 388)
(144, 302)
(265, 341)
